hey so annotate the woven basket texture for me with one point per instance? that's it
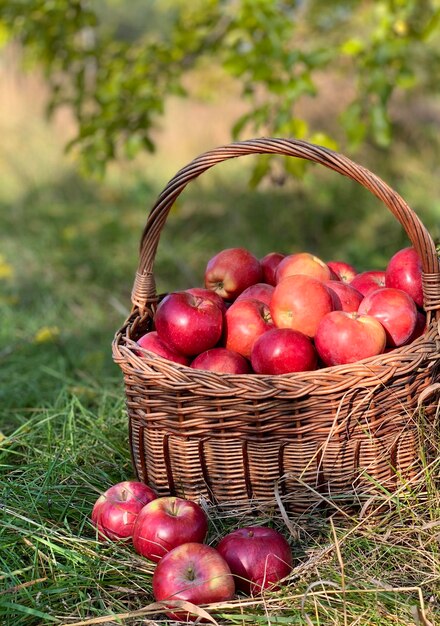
(343, 432)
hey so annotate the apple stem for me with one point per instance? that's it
(174, 508)
(190, 573)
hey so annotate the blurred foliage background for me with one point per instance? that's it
(103, 101)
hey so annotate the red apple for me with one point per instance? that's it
(168, 522)
(303, 263)
(269, 264)
(395, 310)
(116, 510)
(404, 271)
(202, 292)
(187, 323)
(245, 321)
(344, 271)
(283, 350)
(259, 557)
(419, 328)
(221, 360)
(231, 271)
(368, 281)
(299, 302)
(194, 572)
(344, 337)
(152, 342)
(348, 298)
(259, 291)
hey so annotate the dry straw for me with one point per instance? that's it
(334, 434)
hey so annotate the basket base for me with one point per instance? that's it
(304, 477)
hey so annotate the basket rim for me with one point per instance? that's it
(126, 347)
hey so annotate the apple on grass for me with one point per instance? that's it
(259, 291)
(404, 271)
(303, 263)
(221, 360)
(166, 523)
(368, 281)
(152, 342)
(258, 557)
(187, 323)
(299, 302)
(116, 510)
(395, 310)
(194, 572)
(269, 264)
(283, 350)
(231, 271)
(343, 337)
(245, 321)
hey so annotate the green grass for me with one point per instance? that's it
(68, 257)
(376, 571)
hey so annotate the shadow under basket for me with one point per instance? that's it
(337, 434)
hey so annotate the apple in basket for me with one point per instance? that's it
(166, 523)
(231, 271)
(395, 310)
(202, 292)
(245, 321)
(303, 263)
(221, 360)
(419, 328)
(348, 298)
(343, 337)
(152, 342)
(116, 510)
(194, 572)
(283, 350)
(368, 281)
(258, 556)
(269, 264)
(299, 302)
(344, 271)
(259, 291)
(404, 271)
(187, 323)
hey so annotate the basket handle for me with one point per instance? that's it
(144, 288)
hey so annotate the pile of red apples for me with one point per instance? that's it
(288, 313)
(171, 533)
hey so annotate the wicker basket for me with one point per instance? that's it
(331, 433)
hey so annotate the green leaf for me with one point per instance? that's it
(133, 146)
(260, 170)
(240, 124)
(5, 34)
(295, 166)
(322, 139)
(352, 47)
(380, 124)
(406, 80)
(294, 127)
(353, 124)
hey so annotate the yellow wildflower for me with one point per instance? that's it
(6, 270)
(46, 334)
